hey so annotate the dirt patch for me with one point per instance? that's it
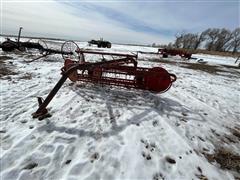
(214, 70)
(6, 66)
(206, 68)
(232, 137)
(231, 67)
(225, 158)
(162, 61)
(211, 69)
(26, 76)
(5, 70)
(226, 54)
(235, 132)
(3, 58)
(30, 56)
(204, 51)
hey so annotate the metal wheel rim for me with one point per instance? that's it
(69, 49)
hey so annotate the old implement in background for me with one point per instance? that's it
(121, 71)
(37, 44)
(173, 52)
(10, 45)
(100, 43)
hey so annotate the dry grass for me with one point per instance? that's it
(211, 69)
(225, 158)
(226, 54)
(198, 66)
(206, 68)
(235, 132)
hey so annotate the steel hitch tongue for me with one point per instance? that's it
(43, 113)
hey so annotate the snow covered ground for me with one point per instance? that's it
(190, 132)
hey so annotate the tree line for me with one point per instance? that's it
(212, 39)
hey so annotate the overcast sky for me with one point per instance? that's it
(124, 21)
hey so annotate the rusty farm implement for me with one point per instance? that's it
(32, 44)
(121, 71)
(10, 45)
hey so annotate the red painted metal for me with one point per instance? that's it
(82, 51)
(121, 71)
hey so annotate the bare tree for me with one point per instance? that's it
(211, 37)
(170, 45)
(235, 43)
(186, 40)
(223, 38)
(190, 40)
(178, 41)
(200, 38)
(214, 39)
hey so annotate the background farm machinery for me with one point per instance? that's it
(100, 43)
(173, 52)
(32, 44)
(121, 71)
(10, 45)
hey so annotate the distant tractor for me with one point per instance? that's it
(100, 43)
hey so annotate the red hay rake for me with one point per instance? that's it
(121, 71)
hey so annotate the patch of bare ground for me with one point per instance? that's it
(211, 69)
(226, 54)
(4, 68)
(3, 58)
(206, 68)
(203, 51)
(226, 159)
(162, 60)
(231, 67)
(232, 137)
(30, 56)
(201, 177)
(26, 76)
(236, 132)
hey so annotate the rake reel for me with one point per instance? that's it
(121, 71)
